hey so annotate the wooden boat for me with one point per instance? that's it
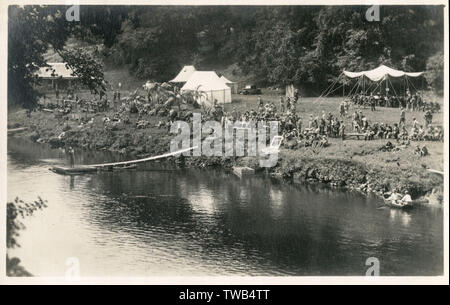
(395, 205)
(73, 170)
(131, 166)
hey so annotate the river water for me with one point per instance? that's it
(156, 220)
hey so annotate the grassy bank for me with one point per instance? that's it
(355, 164)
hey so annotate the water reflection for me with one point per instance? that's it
(403, 216)
(157, 220)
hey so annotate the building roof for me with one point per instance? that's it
(184, 74)
(205, 81)
(56, 70)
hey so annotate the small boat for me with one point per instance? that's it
(73, 170)
(131, 166)
(396, 205)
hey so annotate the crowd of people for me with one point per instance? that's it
(314, 131)
(412, 102)
(397, 131)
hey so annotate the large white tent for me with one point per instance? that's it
(184, 74)
(210, 86)
(381, 73)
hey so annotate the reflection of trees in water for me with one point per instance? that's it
(272, 227)
(300, 229)
(256, 230)
(27, 153)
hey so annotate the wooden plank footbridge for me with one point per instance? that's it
(93, 168)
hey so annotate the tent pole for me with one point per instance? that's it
(421, 89)
(364, 84)
(404, 86)
(386, 83)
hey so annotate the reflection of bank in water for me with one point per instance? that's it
(160, 221)
(403, 216)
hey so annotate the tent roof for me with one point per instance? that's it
(205, 81)
(184, 74)
(60, 70)
(381, 72)
(226, 80)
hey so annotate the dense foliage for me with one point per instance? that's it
(304, 45)
(307, 45)
(32, 30)
(435, 71)
(15, 211)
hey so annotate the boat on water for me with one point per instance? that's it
(397, 204)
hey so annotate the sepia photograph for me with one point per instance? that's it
(272, 140)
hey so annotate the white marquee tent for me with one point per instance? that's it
(184, 74)
(211, 87)
(381, 73)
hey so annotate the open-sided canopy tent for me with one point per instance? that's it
(378, 76)
(381, 73)
(184, 74)
(210, 86)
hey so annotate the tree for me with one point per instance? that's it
(88, 70)
(31, 30)
(435, 72)
(14, 211)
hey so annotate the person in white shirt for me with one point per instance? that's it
(406, 199)
(394, 196)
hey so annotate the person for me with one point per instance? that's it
(296, 96)
(342, 109)
(342, 130)
(288, 103)
(372, 102)
(428, 118)
(395, 196)
(71, 153)
(281, 104)
(260, 102)
(406, 199)
(424, 151)
(415, 123)
(402, 116)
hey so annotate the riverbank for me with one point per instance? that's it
(355, 164)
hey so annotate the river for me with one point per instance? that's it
(158, 220)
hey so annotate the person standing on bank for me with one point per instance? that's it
(71, 153)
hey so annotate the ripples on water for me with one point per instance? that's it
(161, 221)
